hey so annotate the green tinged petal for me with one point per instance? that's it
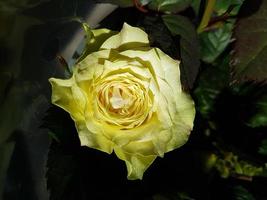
(98, 38)
(129, 38)
(136, 164)
(96, 141)
(184, 120)
(67, 95)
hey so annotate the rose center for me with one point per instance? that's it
(122, 100)
(119, 99)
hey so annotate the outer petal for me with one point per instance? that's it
(184, 120)
(91, 66)
(99, 37)
(67, 95)
(129, 37)
(136, 164)
(171, 70)
(96, 141)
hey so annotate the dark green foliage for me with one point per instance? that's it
(259, 119)
(250, 51)
(172, 6)
(214, 42)
(212, 81)
(155, 28)
(263, 147)
(189, 46)
(240, 193)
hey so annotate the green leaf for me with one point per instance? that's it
(172, 196)
(189, 46)
(214, 42)
(61, 173)
(14, 5)
(260, 118)
(145, 2)
(155, 28)
(222, 6)
(121, 3)
(263, 147)
(249, 56)
(169, 6)
(210, 84)
(240, 193)
(6, 151)
(195, 4)
(11, 110)
(61, 126)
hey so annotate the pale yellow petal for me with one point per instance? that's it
(171, 70)
(94, 140)
(136, 164)
(91, 66)
(149, 59)
(98, 38)
(133, 67)
(184, 121)
(186, 109)
(67, 95)
(129, 37)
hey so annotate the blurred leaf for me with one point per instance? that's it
(240, 193)
(263, 147)
(222, 6)
(189, 46)
(155, 28)
(145, 2)
(61, 168)
(231, 165)
(61, 163)
(6, 151)
(195, 4)
(172, 196)
(11, 111)
(169, 6)
(260, 118)
(214, 42)
(121, 3)
(249, 56)
(14, 5)
(60, 125)
(210, 84)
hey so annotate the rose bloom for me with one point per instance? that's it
(125, 96)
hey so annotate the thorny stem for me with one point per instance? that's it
(207, 15)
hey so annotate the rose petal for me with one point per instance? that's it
(136, 164)
(67, 95)
(129, 38)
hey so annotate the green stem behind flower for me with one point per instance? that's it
(207, 15)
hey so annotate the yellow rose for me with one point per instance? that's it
(126, 97)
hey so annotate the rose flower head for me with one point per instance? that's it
(125, 96)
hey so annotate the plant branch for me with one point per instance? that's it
(207, 15)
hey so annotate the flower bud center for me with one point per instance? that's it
(119, 98)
